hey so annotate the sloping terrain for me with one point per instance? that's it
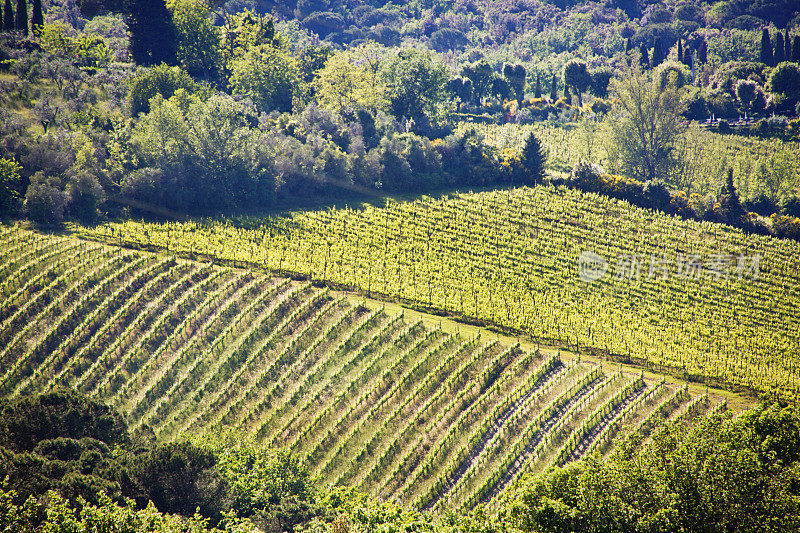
(398, 409)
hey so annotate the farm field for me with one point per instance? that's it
(768, 167)
(369, 398)
(509, 258)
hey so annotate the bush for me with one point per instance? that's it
(45, 204)
(161, 79)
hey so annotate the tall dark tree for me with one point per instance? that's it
(645, 58)
(766, 48)
(628, 45)
(37, 16)
(780, 49)
(702, 52)
(21, 17)
(8, 17)
(153, 39)
(796, 49)
(553, 89)
(537, 92)
(658, 52)
(787, 44)
(680, 51)
(534, 159)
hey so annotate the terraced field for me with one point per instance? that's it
(370, 399)
(702, 301)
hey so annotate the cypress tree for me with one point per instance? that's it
(153, 39)
(37, 17)
(787, 53)
(680, 52)
(553, 89)
(658, 52)
(780, 50)
(538, 91)
(628, 45)
(645, 59)
(8, 17)
(766, 48)
(702, 52)
(796, 49)
(21, 17)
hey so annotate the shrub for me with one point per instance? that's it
(44, 202)
(161, 79)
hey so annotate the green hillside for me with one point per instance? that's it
(510, 258)
(371, 400)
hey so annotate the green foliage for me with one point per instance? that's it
(534, 159)
(21, 17)
(576, 75)
(785, 81)
(27, 420)
(152, 38)
(9, 186)
(268, 76)
(673, 75)
(416, 83)
(161, 80)
(647, 127)
(181, 477)
(724, 474)
(347, 84)
(198, 41)
(45, 203)
(481, 74)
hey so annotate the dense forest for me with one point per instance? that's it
(198, 107)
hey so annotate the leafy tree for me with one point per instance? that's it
(268, 76)
(601, 78)
(534, 159)
(672, 73)
(180, 478)
(785, 81)
(746, 93)
(9, 186)
(481, 74)
(45, 203)
(647, 127)
(416, 85)
(461, 87)
(346, 86)
(766, 56)
(515, 75)
(501, 89)
(197, 40)
(446, 39)
(21, 17)
(576, 75)
(37, 17)
(8, 16)
(152, 39)
(160, 80)
(723, 474)
(312, 59)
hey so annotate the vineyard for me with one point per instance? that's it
(369, 399)
(768, 167)
(510, 258)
